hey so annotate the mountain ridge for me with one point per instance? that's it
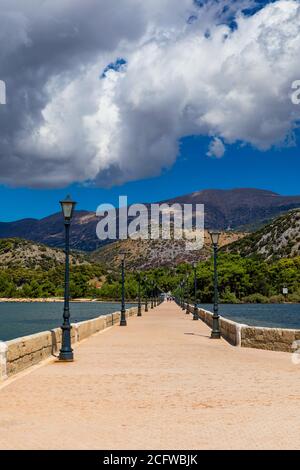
(147, 254)
(235, 209)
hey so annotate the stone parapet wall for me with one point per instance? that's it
(205, 316)
(229, 329)
(87, 328)
(237, 334)
(272, 339)
(19, 354)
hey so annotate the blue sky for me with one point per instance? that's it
(109, 115)
(277, 170)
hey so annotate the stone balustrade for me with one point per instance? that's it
(19, 354)
(273, 339)
(237, 334)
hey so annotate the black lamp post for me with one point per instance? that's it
(183, 295)
(179, 293)
(195, 313)
(146, 294)
(66, 352)
(187, 296)
(215, 334)
(139, 296)
(152, 294)
(123, 321)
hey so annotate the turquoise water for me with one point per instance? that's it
(271, 315)
(22, 319)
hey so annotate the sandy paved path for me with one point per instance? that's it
(160, 383)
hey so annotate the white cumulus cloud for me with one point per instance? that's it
(187, 73)
(216, 148)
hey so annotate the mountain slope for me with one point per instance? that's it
(50, 230)
(236, 208)
(280, 238)
(16, 253)
(147, 254)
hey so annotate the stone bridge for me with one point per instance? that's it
(159, 383)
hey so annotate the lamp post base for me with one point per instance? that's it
(123, 321)
(66, 356)
(61, 361)
(215, 335)
(195, 314)
(139, 314)
(66, 351)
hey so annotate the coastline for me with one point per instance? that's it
(47, 299)
(84, 300)
(50, 299)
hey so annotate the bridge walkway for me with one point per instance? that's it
(159, 383)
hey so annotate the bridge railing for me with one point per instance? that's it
(21, 353)
(238, 334)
